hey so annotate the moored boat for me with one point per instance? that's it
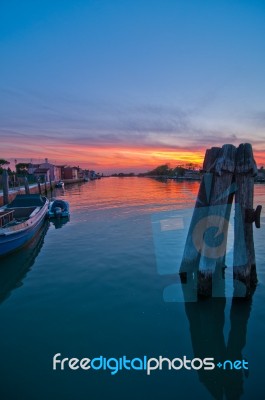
(20, 220)
(59, 209)
(59, 184)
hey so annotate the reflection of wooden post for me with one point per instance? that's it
(5, 187)
(244, 252)
(213, 234)
(239, 315)
(39, 187)
(26, 183)
(206, 323)
(45, 187)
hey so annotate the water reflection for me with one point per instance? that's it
(206, 319)
(14, 267)
(141, 194)
(58, 223)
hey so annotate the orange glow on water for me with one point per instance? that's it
(146, 194)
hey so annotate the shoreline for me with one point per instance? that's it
(34, 189)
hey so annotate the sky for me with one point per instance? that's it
(127, 85)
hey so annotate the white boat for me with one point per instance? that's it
(20, 220)
(59, 209)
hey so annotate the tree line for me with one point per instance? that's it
(21, 168)
(165, 170)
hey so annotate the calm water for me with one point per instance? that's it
(90, 287)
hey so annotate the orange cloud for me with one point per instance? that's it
(108, 157)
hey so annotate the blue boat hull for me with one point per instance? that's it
(14, 241)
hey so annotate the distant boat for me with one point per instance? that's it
(20, 220)
(259, 180)
(59, 209)
(93, 175)
(59, 184)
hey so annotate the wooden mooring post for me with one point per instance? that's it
(39, 187)
(244, 251)
(191, 256)
(228, 174)
(5, 187)
(51, 187)
(214, 236)
(26, 184)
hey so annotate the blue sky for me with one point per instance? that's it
(122, 74)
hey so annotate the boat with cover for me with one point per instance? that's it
(59, 209)
(20, 220)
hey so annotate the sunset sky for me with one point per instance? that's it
(126, 85)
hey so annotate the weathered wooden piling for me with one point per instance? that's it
(209, 224)
(39, 187)
(191, 256)
(245, 215)
(5, 186)
(51, 188)
(228, 173)
(214, 237)
(26, 184)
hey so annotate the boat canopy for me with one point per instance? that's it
(60, 203)
(27, 200)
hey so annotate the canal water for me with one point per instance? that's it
(94, 286)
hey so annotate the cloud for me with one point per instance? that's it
(60, 125)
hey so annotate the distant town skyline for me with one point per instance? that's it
(129, 85)
(87, 165)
